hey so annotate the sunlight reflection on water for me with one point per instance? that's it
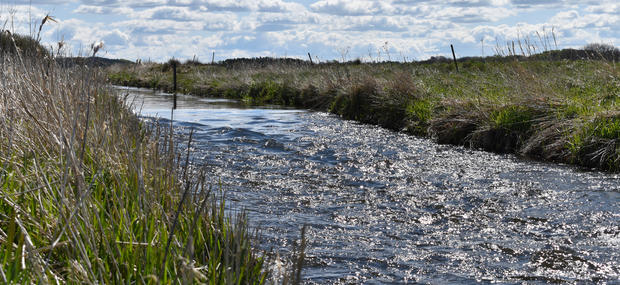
(386, 207)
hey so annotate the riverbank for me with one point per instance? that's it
(563, 111)
(90, 194)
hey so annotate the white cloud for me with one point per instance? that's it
(144, 3)
(565, 16)
(23, 19)
(39, 2)
(92, 9)
(529, 3)
(174, 13)
(418, 29)
(474, 14)
(101, 2)
(572, 20)
(279, 6)
(241, 5)
(115, 38)
(470, 3)
(345, 7)
(604, 9)
(162, 27)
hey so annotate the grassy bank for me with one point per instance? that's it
(556, 110)
(90, 194)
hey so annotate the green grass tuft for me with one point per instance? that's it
(513, 118)
(420, 113)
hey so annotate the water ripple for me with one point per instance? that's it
(385, 207)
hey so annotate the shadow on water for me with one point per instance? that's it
(386, 207)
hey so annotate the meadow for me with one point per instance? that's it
(559, 106)
(89, 193)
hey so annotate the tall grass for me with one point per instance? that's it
(90, 194)
(558, 105)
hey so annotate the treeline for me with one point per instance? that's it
(589, 52)
(593, 51)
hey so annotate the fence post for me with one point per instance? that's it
(454, 57)
(310, 57)
(174, 79)
(213, 58)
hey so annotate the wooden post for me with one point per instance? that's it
(310, 57)
(213, 58)
(174, 79)
(454, 57)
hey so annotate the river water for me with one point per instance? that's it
(383, 207)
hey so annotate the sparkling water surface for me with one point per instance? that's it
(383, 207)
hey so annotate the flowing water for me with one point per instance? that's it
(383, 207)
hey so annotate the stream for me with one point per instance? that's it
(384, 207)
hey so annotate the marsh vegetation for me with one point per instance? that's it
(91, 194)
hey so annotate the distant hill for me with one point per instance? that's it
(90, 61)
(26, 45)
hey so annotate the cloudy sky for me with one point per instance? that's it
(328, 29)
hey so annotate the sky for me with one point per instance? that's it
(398, 30)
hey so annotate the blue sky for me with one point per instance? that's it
(328, 29)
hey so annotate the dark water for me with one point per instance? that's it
(383, 207)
